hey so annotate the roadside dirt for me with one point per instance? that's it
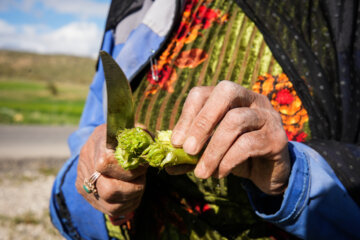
(24, 201)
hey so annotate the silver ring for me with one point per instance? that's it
(89, 184)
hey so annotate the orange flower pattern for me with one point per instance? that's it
(196, 18)
(284, 99)
(191, 58)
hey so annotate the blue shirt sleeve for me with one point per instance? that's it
(315, 204)
(69, 211)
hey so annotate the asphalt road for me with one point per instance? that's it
(22, 145)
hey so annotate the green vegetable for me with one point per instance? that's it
(136, 147)
(131, 143)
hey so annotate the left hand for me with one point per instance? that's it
(247, 137)
(119, 191)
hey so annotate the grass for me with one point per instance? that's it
(22, 226)
(46, 68)
(48, 171)
(43, 89)
(25, 218)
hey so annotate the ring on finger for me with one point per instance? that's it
(90, 183)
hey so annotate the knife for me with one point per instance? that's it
(120, 106)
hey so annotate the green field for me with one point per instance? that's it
(43, 89)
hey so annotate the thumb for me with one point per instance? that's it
(107, 164)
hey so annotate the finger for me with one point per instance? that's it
(260, 101)
(249, 145)
(87, 157)
(107, 165)
(180, 169)
(83, 169)
(104, 158)
(114, 210)
(125, 205)
(140, 125)
(225, 96)
(112, 190)
(235, 123)
(192, 106)
(117, 209)
(81, 173)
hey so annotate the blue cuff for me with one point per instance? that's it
(315, 205)
(280, 209)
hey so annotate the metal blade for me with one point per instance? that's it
(120, 107)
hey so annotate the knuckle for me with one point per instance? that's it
(264, 100)
(138, 189)
(276, 116)
(281, 140)
(131, 191)
(194, 97)
(107, 193)
(101, 161)
(228, 87)
(258, 116)
(234, 118)
(202, 122)
(195, 92)
(101, 164)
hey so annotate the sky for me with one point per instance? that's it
(71, 27)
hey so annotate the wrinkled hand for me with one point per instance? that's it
(119, 191)
(247, 137)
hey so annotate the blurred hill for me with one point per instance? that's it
(37, 67)
(43, 89)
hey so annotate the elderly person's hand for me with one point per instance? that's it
(246, 136)
(119, 192)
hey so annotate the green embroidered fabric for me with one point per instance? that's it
(118, 232)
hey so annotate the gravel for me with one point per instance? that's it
(24, 201)
(30, 157)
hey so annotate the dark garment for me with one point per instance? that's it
(318, 45)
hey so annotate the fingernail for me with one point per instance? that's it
(200, 170)
(190, 145)
(177, 138)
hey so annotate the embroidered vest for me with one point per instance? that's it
(215, 41)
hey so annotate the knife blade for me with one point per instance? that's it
(120, 106)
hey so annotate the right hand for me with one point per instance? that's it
(119, 191)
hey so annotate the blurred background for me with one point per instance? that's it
(48, 51)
